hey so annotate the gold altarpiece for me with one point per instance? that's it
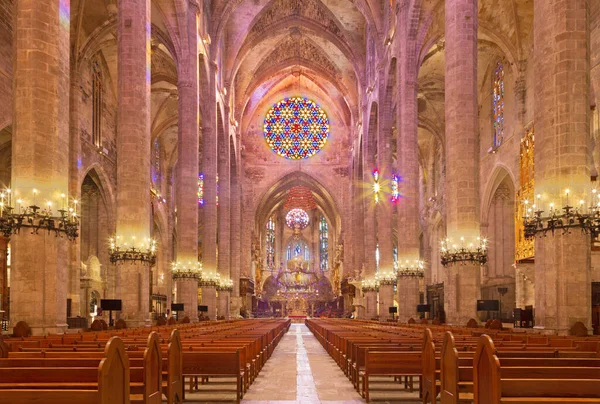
(524, 248)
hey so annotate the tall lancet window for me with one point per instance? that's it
(156, 163)
(324, 244)
(498, 105)
(270, 243)
(200, 189)
(96, 104)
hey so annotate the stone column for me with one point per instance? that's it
(370, 236)
(187, 169)
(40, 160)
(386, 299)
(384, 207)
(562, 104)
(358, 232)
(236, 239)
(133, 144)
(407, 298)
(74, 189)
(210, 170)
(462, 285)
(407, 165)
(3, 274)
(224, 262)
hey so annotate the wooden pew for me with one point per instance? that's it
(494, 384)
(385, 363)
(215, 364)
(106, 384)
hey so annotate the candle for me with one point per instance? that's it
(19, 201)
(64, 201)
(35, 192)
(9, 197)
(567, 192)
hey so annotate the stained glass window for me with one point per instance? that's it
(297, 217)
(270, 243)
(395, 188)
(296, 128)
(298, 248)
(324, 243)
(498, 104)
(200, 189)
(156, 163)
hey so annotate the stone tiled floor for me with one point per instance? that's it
(301, 371)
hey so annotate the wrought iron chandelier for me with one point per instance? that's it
(408, 268)
(122, 251)
(186, 271)
(474, 253)
(370, 285)
(225, 285)
(562, 219)
(36, 218)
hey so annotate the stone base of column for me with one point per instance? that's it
(408, 298)
(236, 305)
(386, 300)
(134, 292)
(562, 282)
(38, 287)
(223, 304)
(187, 293)
(371, 305)
(462, 289)
(209, 298)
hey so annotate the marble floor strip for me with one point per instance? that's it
(301, 371)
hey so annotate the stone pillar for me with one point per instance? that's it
(384, 207)
(462, 284)
(133, 167)
(224, 164)
(187, 168)
(223, 305)
(407, 298)
(209, 210)
(386, 299)
(407, 163)
(370, 236)
(74, 189)
(236, 239)
(187, 293)
(40, 159)
(3, 275)
(562, 105)
(209, 298)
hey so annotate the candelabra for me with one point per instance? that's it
(209, 280)
(387, 278)
(225, 285)
(186, 271)
(406, 268)
(473, 253)
(122, 251)
(564, 219)
(36, 218)
(370, 285)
